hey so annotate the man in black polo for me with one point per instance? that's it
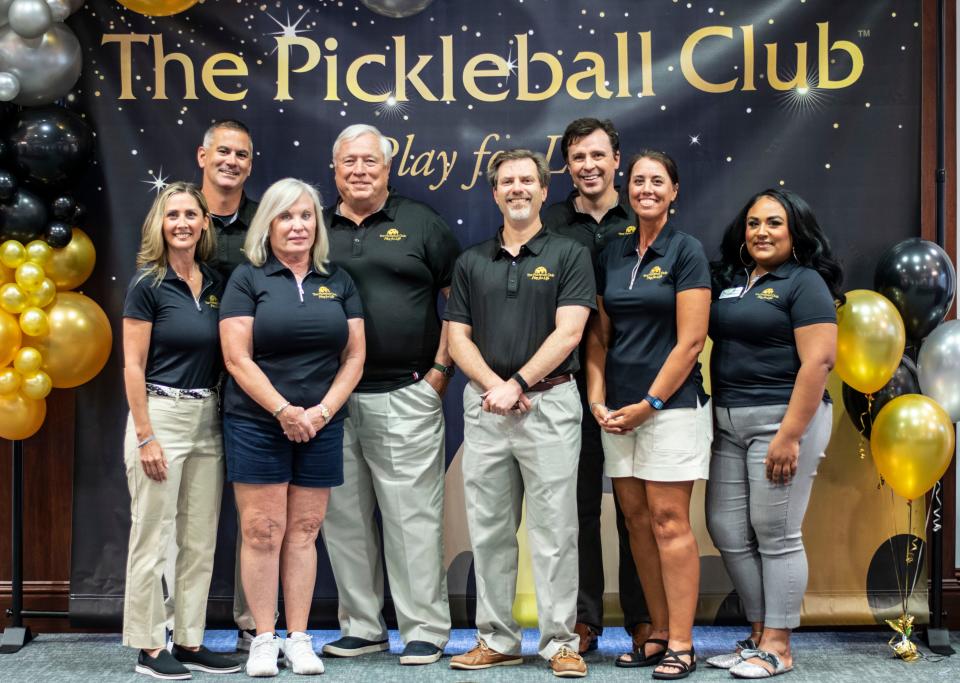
(517, 311)
(593, 214)
(226, 159)
(400, 254)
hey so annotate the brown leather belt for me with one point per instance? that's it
(550, 383)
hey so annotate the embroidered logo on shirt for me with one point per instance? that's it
(212, 301)
(655, 273)
(540, 273)
(767, 295)
(629, 230)
(325, 293)
(392, 235)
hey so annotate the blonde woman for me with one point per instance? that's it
(172, 450)
(293, 341)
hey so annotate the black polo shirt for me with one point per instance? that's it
(400, 258)
(754, 360)
(185, 339)
(231, 236)
(564, 219)
(298, 331)
(640, 297)
(511, 302)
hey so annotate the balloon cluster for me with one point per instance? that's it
(44, 150)
(911, 433)
(47, 339)
(40, 57)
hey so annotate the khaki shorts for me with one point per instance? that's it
(673, 445)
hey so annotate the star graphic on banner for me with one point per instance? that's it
(694, 139)
(157, 182)
(288, 30)
(511, 64)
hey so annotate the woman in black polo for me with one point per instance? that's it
(773, 325)
(646, 393)
(172, 449)
(292, 331)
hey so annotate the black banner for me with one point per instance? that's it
(818, 96)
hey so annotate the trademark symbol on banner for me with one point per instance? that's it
(864, 33)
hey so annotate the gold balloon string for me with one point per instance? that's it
(862, 430)
(901, 581)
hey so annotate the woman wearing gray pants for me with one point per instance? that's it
(773, 325)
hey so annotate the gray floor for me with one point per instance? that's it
(854, 657)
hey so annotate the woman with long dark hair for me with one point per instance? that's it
(774, 332)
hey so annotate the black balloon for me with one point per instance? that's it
(23, 218)
(904, 381)
(58, 234)
(8, 186)
(63, 207)
(79, 214)
(920, 280)
(50, 145)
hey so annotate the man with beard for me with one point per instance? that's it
(517, 311)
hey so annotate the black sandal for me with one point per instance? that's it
(639, 657)
(672, 658)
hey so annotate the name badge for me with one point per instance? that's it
(731, 293)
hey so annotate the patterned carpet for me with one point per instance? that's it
(848, 656)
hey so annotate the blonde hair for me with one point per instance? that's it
(278, 198)
(152, 257)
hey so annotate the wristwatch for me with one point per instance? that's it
(445, 370)
(657, 403)
(324, 413)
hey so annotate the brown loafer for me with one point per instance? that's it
(588, 637)
(482, 657)
(568, 664)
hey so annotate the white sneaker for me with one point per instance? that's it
(262, 660)
(299, 654)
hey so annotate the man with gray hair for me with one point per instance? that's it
(400, 254)
(517, 309)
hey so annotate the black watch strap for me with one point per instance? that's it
(521, 381)
(445, 370)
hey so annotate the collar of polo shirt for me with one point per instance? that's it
(532, 245)
(659, 245)
(389, 207)
(622, 205)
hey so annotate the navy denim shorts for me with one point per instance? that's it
(259, 453)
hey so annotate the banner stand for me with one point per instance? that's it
(16, 635)
(938, 637)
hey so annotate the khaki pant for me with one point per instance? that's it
(504, 459)
(187, 504)
(393, 456)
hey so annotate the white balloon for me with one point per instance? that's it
(938, 367)
(60, 9)
(47, 67)
(30, 18)
(9, 86)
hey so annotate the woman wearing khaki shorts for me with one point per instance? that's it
(646, 393)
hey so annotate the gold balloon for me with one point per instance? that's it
(20, 417)
(78, 344)
(71, 266)
(29, 276)
(158, 8)
(912, 444)
(870, 340)
(10, 338)
(36, 385)
(43, 295)
(12, 253)
(39, 252)
(6, 275)
(34, 322)
(9, 381)
(13, 299)
(27, 360)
